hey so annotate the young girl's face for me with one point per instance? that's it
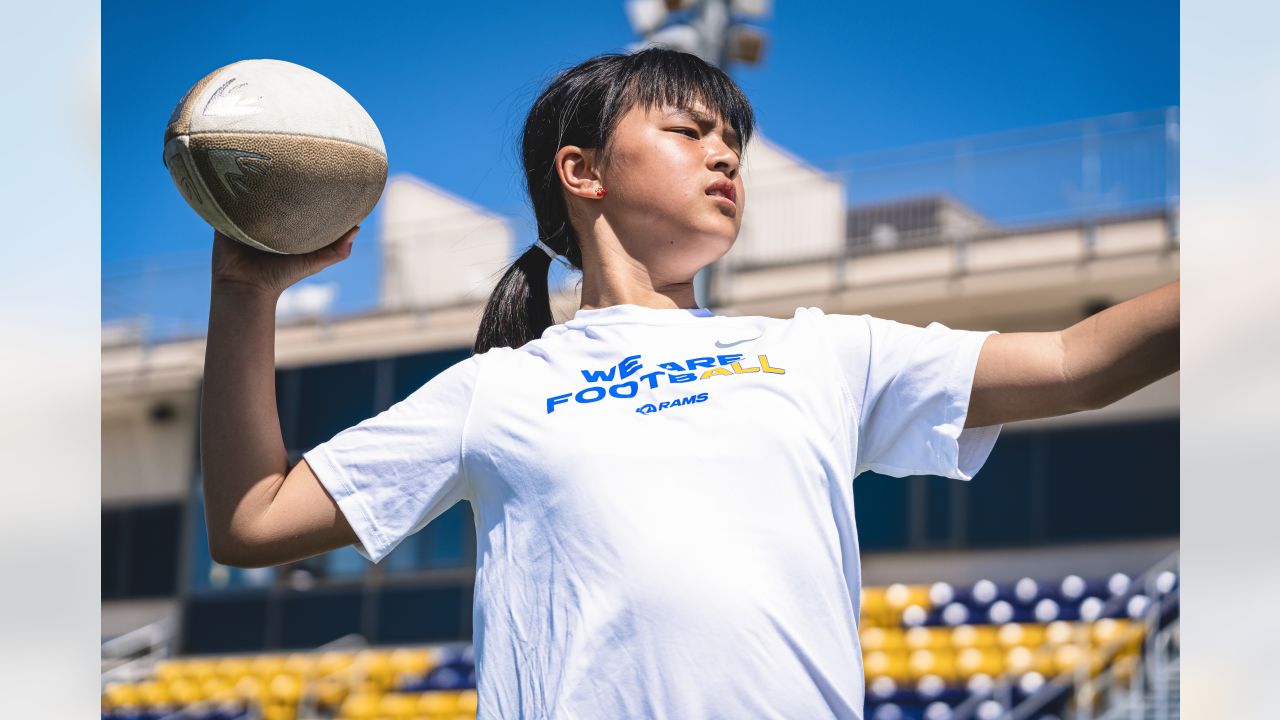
(661, 178)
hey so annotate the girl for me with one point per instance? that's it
(663, 496)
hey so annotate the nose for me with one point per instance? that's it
(722, 158)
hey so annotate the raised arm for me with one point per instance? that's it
(258, 510)
(1106, 356)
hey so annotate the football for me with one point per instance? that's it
(275, 155)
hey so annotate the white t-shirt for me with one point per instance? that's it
(664, 501)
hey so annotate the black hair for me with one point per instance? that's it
(582, 106)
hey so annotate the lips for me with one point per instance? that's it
(725, 189)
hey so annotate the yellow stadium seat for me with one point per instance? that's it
(251, 688)
(1104, 631)
(398, 706)
(468, 700)
(121, 695)
(301, 665)
(876, 638)
(214, 687)
(169, 670)
(151, 692)
(889, 664)
(1135, 634)
(927, 638)
(184, 691)
(971, 661)
(940, 662)
(279, 712)
(438, 704)
(332, 662)
(412, 661)
(359, 707)
(1017, 659)
(1069, 657)
(899, 596)
(980, 636)
(1012, 635)
(200, 670)
(1061, 632)
(266, 666)
(330, 691)
(875, 607)
(285, 688)
(1125, 666)
(233, 668)
(376, 666)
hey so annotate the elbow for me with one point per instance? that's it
(237, 555)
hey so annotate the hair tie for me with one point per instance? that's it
(553, 254)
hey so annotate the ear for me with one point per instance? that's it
(577, 170)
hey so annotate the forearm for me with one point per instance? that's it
(1125, 347)
(242, 453)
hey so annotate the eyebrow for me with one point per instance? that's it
(703, 119)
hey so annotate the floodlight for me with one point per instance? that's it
(645, 15)
(746, 44)
(679, 37)
(750, 8)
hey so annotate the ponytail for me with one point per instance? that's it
(519, 310)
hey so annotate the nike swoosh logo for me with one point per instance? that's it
(735, 342)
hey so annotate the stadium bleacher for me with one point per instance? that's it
(931, 652)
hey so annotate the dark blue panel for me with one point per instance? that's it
(332, 398)
(112, 536)
(998, 501)
(152, 555)
(312, 618)
(413, 371)
(1111, 482)
(880, 503)
(230, 623)
(418, 614)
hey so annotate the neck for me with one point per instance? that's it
(612, 277)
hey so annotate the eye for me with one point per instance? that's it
(688, 130)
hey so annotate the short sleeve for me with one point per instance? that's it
(397, 471)
(911, 387)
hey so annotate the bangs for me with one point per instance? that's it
(658, 78)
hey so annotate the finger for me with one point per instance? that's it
(344, 243)
(339, 249)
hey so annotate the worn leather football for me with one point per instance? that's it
(275, 155)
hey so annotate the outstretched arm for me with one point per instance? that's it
(1106, 356)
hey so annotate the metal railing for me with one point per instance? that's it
(134, 655)
(1095, 684)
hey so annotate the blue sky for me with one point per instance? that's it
(449, 85)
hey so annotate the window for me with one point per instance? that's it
(236, 622)
(332, 398)
(418, 614)
(1113, 482)
(315, 617)
(998, 502)
(413, 371)
(140, 551)
(880, 504)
